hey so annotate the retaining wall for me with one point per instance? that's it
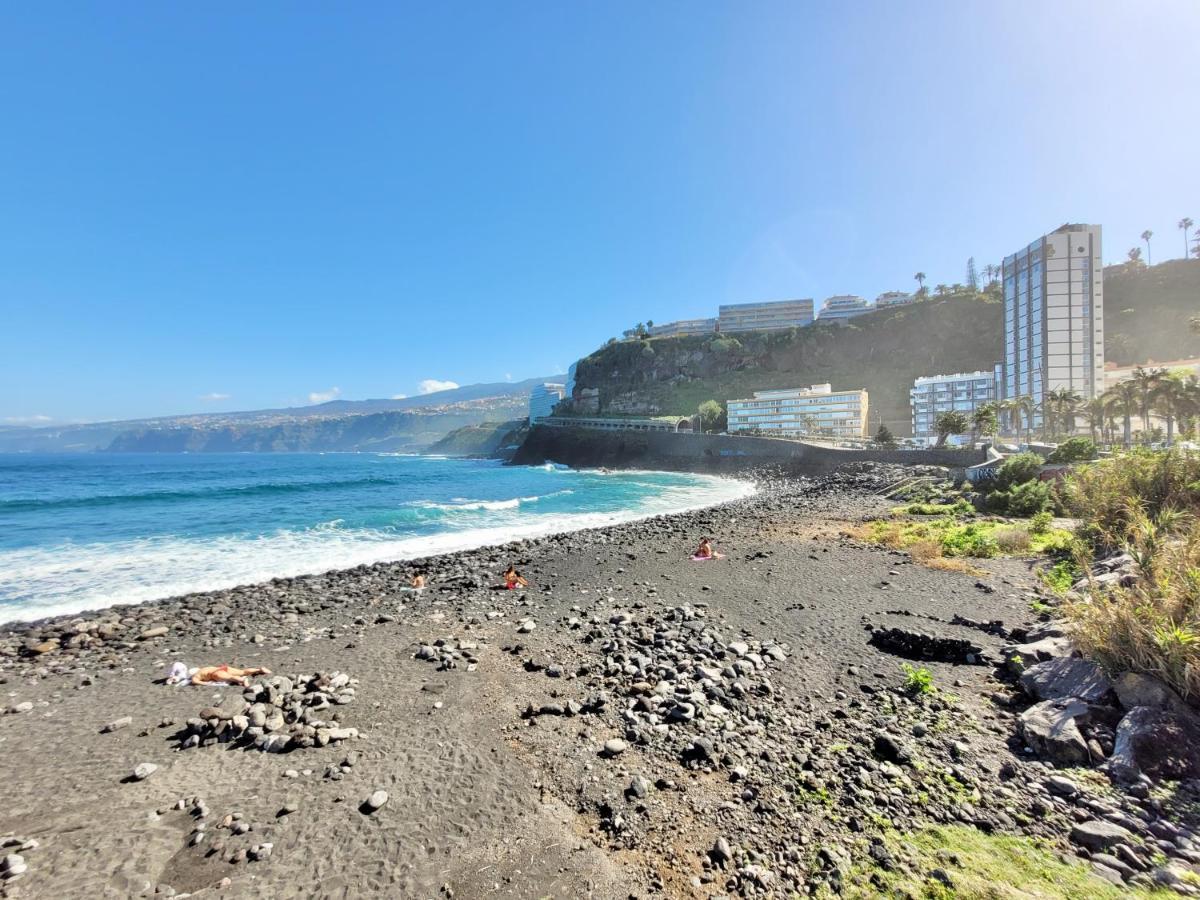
(589, 448)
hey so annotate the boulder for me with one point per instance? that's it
(1134, 689)
(1022, 656)
(1158, 742)
(1067, 676)
(1051, 729)
(1099, 835)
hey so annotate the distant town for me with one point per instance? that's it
(1050, 375)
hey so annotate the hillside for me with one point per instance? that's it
(1146, 317)
(882, 352)
(378, 432)
(1146, 312)
(485, 440)
(415, 423)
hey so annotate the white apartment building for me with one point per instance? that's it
(965, 392)
(542, 400)
(1054, 316)
(815, 410)
(734, 317)
(842, 307)
(683, 326)
(894, 298)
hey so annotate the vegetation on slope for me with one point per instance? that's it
(1147, 313)
(882, 352)
(486, 440)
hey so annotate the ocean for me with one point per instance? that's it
(84, 531)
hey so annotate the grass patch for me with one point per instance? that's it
(1061, 576)
(982, 866)
(946, 536)
(958, 508)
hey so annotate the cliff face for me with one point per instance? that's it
(1146, 317)
(882, 352)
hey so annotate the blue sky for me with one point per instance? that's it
(231, 206)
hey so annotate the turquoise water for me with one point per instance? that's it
(86, 531)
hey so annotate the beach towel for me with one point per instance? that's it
(696, 558)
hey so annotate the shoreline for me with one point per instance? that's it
(632, 724)
(440, 544)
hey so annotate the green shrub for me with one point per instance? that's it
(1076, 449)
(958, 508)
(1061, 576)
(1017, 469)
(1040, 522)
(970, 540)
(1026, 499)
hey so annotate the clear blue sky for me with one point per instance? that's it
(252, 203)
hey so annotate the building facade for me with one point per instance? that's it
(683, 326)
(894, 298)
(542, 400)
(964, 392)
(735, 317)
(842, 307)
(1054, 316)
(818, 410)
(630, 423)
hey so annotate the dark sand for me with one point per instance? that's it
(482, 801)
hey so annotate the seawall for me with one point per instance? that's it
(591, 448)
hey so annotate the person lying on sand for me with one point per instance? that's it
(705, 551)
(225, 674)
(513, 578)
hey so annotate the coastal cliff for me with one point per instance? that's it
(1146, 317)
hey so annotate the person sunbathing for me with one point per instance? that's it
(224, 674)
(705, 551)
(513, 579)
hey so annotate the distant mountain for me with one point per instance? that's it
(337, 425)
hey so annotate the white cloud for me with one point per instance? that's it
(432, 386)
(399, 396)
(508, 376)
(214, 397)
(324, 396)
(28, 420)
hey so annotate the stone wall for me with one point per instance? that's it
(586, 448)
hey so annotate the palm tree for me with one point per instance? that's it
(1135, 256)
(1059, 408)
(1147, 382)
(983, 421)
(1170, 401)
(920, 276)
(1094, 412)
(1024, 406)
(1146, 235)
(1122, 398)
(1184, 224)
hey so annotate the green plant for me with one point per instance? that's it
(1012, 539)
(1017, 469)
(1076, 449)
(917, 680)
(1039, 523)
(948, 423)
(1025, 499)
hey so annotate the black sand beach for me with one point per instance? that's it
(632, 724)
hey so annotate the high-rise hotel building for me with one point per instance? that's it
(1054, 316)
